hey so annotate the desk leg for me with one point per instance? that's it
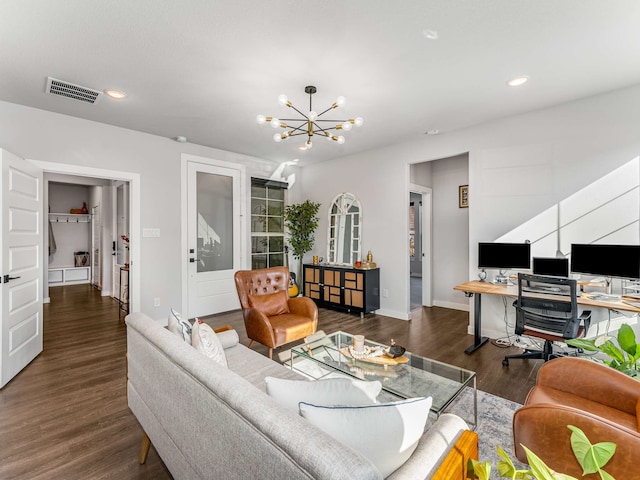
(478, 340)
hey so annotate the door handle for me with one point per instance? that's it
(193, 260)
(7, 278)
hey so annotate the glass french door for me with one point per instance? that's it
(213, 209)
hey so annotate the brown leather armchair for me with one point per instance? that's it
(601, 401)
(270, 316)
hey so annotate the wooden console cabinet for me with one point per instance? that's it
(345, 288)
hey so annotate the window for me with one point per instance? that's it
(267, 223)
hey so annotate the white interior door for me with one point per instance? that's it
(21, 265)
(213, 237)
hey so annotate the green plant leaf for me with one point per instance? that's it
(606, 476)
(590, 457)
(627, 340)
(482, 470)
(614, 352)
(506, 468)
(587, 345)
(538, 467)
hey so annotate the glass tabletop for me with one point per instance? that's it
(418, 377)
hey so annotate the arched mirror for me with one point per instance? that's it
(344, 230)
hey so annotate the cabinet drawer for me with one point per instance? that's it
(354, 298)
(332, 294)
(353, 280)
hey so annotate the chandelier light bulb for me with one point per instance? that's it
(346, 126)
(277, 138)
(312, 115)
(261, 119)
(308, 144)
(340, 140)
(358, 121)
(275, 123)
(340, 101)
(283, 100)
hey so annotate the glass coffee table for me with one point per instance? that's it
(328, 356)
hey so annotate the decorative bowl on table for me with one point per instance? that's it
(394, 350)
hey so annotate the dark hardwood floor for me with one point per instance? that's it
(65, 416)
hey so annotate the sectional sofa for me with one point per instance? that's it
(207, 421)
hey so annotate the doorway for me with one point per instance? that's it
(75, 174)
(419, 247)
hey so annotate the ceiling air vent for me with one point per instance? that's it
(69, 90)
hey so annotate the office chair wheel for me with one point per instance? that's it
(505, 362)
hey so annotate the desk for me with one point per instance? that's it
(476, 288)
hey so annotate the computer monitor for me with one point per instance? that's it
(504, 256)
(622, 261)
(551, 266)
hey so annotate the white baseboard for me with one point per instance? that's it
(454, 306)
(47, 300)
(393, 314)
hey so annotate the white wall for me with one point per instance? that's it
(450, 229)
(518, 167)
(50, 137)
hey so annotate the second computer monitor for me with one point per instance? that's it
(622, 261)
(551, 266)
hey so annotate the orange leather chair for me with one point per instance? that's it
(270, 316)
(601, 401)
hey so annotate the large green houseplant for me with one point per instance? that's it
(301, 220)
(624, 357)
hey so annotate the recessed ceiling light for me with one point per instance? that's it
(181, 139)
(517, 81)
(433, 131)
(430, 34)
(117, 94)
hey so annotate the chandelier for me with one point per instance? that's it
(310, 123)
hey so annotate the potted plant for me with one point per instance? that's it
(301, 221)
(590, 457)
(624, 357)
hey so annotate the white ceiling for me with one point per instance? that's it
(205, 68)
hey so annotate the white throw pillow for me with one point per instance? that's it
(179, 326)
(228, 338)
(205, 340)
(387, 434)
(331, 391)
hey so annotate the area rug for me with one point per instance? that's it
(494, 424)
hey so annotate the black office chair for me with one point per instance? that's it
(547, 308)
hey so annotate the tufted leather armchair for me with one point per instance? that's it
(273, 330)
(601, 401)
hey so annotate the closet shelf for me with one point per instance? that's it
(70, 217)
